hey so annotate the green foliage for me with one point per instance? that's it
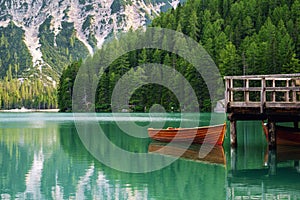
(17, 93)
(65, 88)
(243, 37)
(14, 54)
(247, 37)
(16, 88)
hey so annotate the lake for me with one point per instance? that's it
(43, 156)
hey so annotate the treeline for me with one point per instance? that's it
(243, 37)
(142, 98)
(17, 93)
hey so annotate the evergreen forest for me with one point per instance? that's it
(243, 37)
(32, 94)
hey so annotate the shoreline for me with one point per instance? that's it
(23, 110)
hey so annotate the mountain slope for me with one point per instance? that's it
(57, 32)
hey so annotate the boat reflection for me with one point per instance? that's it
(284, 135)
(284, 153)
(201, 153)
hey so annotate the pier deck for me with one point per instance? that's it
(275, 98)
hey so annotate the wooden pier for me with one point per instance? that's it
(275, 98)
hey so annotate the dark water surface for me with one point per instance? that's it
(42, 157)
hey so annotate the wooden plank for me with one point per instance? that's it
(267, 104)
(273, 93)
(245, 104)
(262, 95)
(267, 77)
(278, 79)
(243, 89)
(226, 92)
(294, 95)
(267, 89)
(247, 92)
(282, 105)
(282, 89)
(286, 95)
(231, 86)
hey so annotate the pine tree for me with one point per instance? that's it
(143, 57)
(296, 18)
(192, 28)
(285, 46)
(268, 46)
(229, 61)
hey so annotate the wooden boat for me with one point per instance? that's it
(215, 154)
(284, 135)
(211, 134)
(285, 153)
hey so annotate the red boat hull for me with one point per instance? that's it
(209, 134)
(285, 135)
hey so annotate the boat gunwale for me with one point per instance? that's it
(216, 132)
(193, 128)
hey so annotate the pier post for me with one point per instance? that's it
(233, 137)
(233, 157)
(296, 124)
(272, 135)
(272, 162)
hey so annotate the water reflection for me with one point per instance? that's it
(257, 173)
(50, 162)
(261, 184)
(215, 154)
(180, 180)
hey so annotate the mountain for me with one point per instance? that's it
(38, 38)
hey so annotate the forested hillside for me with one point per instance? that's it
(243, 37)
(15, 62)
(14, 55)
(21, 85)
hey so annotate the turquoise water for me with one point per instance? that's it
(43, 157)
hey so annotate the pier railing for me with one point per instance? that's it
(263, 91)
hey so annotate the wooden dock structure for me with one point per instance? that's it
(275, 98)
